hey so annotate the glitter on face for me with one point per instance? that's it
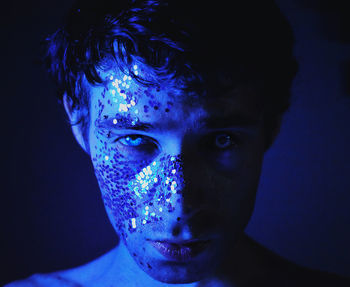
(137, 192)
(133, 222)
(135, 70)
(152, 184)
(120, 94)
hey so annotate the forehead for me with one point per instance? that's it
(122, 97)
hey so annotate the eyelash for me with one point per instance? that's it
(129, 137)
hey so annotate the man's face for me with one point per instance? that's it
(178, 176)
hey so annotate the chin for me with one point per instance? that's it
(180, 274)
(173, 272)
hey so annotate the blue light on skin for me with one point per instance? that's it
(172, 171)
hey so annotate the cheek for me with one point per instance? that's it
(113, 175)
(137, 193)
(232, 187)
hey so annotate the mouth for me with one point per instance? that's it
(180, 251)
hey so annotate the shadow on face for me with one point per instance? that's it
(175, 172)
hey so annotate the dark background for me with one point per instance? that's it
(51, 213)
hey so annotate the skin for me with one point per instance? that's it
(212, 148)
(170, 167)
(174, 168)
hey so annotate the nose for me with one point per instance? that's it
(186, 172)
(183, 184)
(186, 195)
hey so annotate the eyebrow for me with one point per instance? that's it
(236, 120)
(123, 122)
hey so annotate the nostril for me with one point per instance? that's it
(176, 230)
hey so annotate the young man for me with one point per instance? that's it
(176, 103)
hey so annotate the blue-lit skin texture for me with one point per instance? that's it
(173, 168)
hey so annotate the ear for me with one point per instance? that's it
(74, 117)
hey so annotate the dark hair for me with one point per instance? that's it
(191, 40)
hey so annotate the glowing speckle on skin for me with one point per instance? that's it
(120, 95)
(123, 108)
(133, 222)
(150, 184)
(115, 121)
(106, 157)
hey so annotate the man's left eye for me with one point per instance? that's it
(221, 141)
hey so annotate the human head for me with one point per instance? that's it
(190, 60)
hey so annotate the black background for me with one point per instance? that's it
(51, 213)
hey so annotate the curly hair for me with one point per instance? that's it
(192, 41)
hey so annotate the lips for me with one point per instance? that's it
(180, 251)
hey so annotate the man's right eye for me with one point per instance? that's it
(132, 140)
(137, 145)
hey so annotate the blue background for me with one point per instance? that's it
(52, 216)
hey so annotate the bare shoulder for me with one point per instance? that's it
(274, 270)
(44, 280)
(309, 277)
(85, 275)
